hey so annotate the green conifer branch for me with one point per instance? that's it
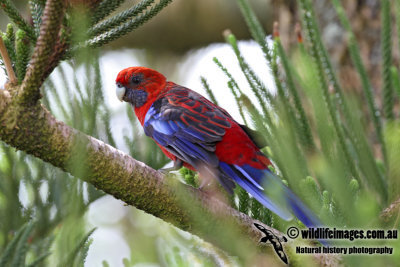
(57, 100)
(309, 21)
(37, 7)
(39, 260)
(127, 27)
(311, 192)
(51, 24)
(107, 119)
(396, 79)
(256, 209)
(388, 96)
(9, 42)
(357, 61)
(15, 17)
(120, 18)
(287, 113)
(10, 48)
(105, 8)
(7, 61)
(22, 247)
(74, 253)
(234, 87)
(209, 92)
(254, 82)
(22, 49)
(255, 27)
(8, 252)
(324, 57)
(244, 200)
(320, 62)
(397, 16)
(305, 129)
(10, 33)
(363, 151)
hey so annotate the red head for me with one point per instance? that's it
(136, 85)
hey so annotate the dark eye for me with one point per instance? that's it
(119, 85)
(135, 80)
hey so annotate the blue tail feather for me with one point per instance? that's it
(270, 191)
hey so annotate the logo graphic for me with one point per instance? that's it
(275, 241)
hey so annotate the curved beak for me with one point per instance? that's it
(120, 91)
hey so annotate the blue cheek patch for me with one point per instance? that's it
(139, 98)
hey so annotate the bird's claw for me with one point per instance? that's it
(177, 165)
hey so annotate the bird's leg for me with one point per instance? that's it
(177, 165)
(205, 181)
(206, 177)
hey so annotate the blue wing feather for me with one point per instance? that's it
(187, 133)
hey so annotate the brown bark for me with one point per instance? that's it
(51, 23)
(391, 211)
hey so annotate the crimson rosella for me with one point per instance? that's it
(197, 134)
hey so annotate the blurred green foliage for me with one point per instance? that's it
(318, 136)
(42, 208)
